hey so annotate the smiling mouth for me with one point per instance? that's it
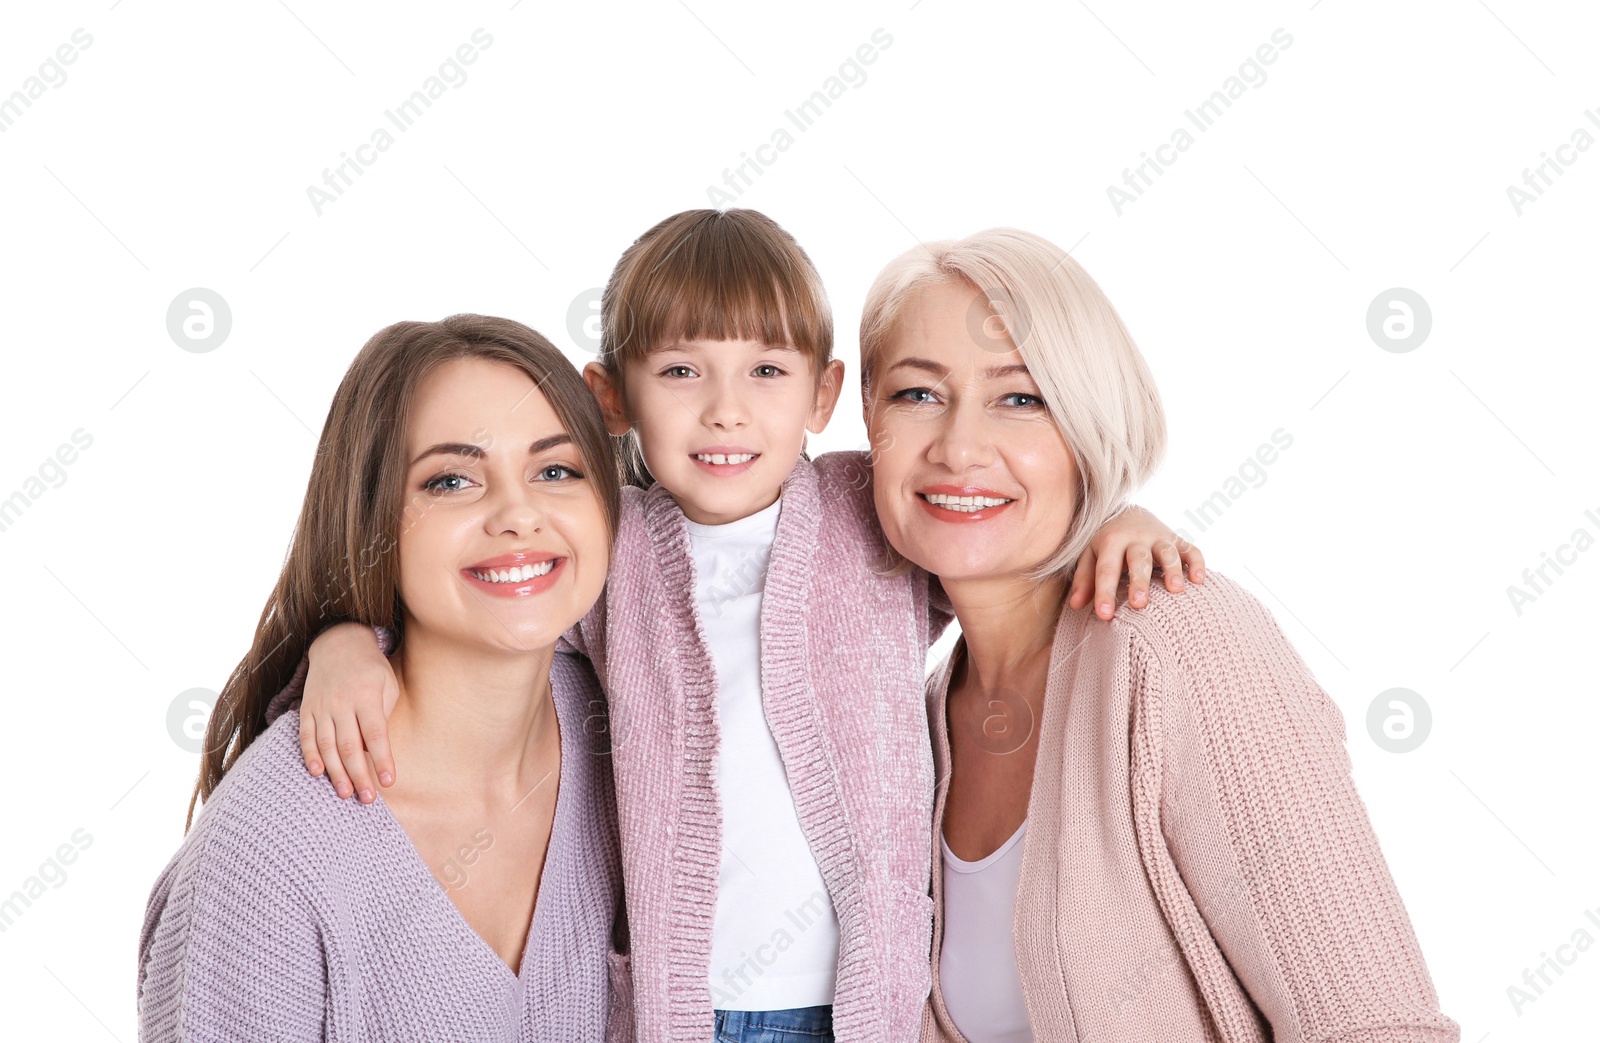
(516, 574)
(964, 504)
(725, 458)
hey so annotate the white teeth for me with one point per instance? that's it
(514, 575)
(725, 458)
(964, 504)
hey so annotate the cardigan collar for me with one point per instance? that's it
(798, 520)
(1074, 628)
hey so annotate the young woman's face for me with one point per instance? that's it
(504, 538)
(722, 422)
(972, 477)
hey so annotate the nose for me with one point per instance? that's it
(725, 407)
(963, 440)
(515, 509)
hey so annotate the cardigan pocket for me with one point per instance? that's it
(911, 920)
(619, 1014)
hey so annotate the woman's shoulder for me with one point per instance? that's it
(273, 762)
(268, 800)
(257, 842)
(1216, 611)
(1217, 649)
(250, 887)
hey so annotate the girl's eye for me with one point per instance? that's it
(677, 371)
(441, 483)
(768, 370)
(556, 472)
(914, 395)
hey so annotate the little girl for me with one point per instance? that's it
(764, 671)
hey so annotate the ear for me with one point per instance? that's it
(828, 389)
(609, 395)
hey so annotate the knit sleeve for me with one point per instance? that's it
(1286, 885)
(229, 951)
(296, 687)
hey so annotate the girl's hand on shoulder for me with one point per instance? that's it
(350, 692)
(1134, 542)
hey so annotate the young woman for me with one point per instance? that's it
(1145, 828)
(463, 498)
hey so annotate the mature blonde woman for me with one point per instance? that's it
(1146, 828)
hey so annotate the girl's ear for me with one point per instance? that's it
(605, 391)
(828, 389)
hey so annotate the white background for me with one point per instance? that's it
(1376, 154)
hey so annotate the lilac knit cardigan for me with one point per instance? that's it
(843, 654)
(289, 915)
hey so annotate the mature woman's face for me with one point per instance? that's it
(504, 541)
(972, 479)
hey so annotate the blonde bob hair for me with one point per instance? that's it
(1093, 380)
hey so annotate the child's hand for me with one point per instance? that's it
(350, 692)
(1134, 541)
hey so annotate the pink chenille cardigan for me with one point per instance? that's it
(843, 653)
(1197, 865)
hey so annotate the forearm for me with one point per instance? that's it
(336, 636)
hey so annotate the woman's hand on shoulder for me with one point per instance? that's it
(350, 692)
(1134, 542)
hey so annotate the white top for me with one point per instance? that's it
(978, 959)
(774, 939)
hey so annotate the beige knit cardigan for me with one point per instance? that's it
(1197, 865)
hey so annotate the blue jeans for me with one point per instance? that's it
(799, 1025)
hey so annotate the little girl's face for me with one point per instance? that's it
(722, 422)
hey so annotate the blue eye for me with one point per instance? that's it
(911, 395)
(1031, 401)
(560, 471)
(435, 485)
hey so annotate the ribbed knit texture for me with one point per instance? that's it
(289, 914)
(842, 666)
(1198, 865)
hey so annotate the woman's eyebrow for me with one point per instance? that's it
(923, 364)
(549, 442)
(474, 452)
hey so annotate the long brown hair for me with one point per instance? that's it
(344, 561)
